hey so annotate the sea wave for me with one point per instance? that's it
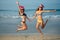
(45, 17)
(52, 17)
(9, 16)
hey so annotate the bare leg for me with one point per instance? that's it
(41, 34)
(43, 25)
(21, 28)
(37, 27)
(24, 27)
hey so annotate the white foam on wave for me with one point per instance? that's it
(52, 17)
(8, 16)
(45, 17)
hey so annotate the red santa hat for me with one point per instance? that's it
(21, 7)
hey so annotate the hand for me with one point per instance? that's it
(17, 2)
(30, 20)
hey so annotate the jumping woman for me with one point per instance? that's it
(23, 16)
(40, 21)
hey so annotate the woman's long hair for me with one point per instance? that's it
(38, 8)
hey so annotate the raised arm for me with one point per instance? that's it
(49, 10)
(17, 4)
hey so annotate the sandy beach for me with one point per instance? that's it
(29, 37)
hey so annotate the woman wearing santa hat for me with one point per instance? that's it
(23, 16)
(40, 21)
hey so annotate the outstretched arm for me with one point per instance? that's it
(29, 19)
(18, 6)
(34, 16)
(49, 10)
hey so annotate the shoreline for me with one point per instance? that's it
(29, 37)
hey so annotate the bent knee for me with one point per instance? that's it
(42, 25)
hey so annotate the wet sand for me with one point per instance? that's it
(29, 37)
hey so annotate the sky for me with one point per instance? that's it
(30, 4)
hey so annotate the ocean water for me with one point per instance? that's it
(9, 18)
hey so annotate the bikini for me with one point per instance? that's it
(23, 15)
(39, 20)
(39, 14)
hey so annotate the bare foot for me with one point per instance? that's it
(17, 30)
